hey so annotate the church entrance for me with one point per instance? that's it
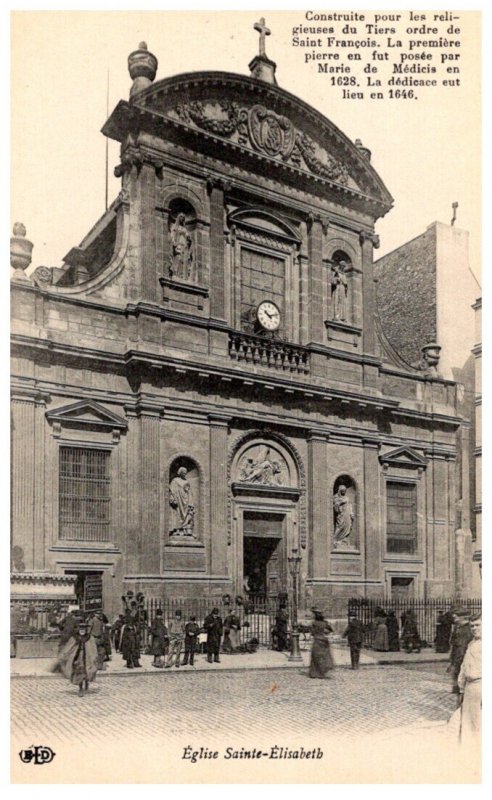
(264, 567)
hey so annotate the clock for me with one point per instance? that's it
(268, 315)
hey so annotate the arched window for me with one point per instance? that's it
(345, 522)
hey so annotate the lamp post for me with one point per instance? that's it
(294, 568)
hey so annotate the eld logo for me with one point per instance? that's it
(38, 754)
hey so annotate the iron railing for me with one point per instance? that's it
(257, 615)
(425, 610)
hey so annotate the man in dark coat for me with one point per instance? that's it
(129, 645)
(191, 639)
(281, 627)
(444, 627)
(354, 633)
(393, 632)
(213, 626)
(460, 639)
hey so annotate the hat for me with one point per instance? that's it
(461, 612)
(215, 611)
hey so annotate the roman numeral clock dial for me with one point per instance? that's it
(268, 315)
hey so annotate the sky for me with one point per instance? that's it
(426, 152)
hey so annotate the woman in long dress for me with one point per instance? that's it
(78, 658)
(321, 658)
(470, 686)
(232, 627)
(381, 641)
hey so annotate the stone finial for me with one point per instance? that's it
(142, 67)
(364, 151)
(429, 362)
(20, 252)
(261, 67)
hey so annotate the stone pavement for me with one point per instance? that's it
(137, 730)
(263, 659)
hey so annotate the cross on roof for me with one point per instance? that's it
(263, 31)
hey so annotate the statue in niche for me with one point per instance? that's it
(264, 469)
(339, 290)
(344, 516)
(182, 256)
(182, 504)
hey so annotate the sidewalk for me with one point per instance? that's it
(263, 659)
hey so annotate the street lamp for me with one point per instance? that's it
(294, 569)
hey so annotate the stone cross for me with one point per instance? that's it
(263, 31)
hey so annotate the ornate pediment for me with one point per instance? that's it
(236, 117)
(263, 130)
(85, 414)
(403, 457)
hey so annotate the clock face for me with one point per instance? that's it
(268, 315)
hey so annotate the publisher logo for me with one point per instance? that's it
(37, 754)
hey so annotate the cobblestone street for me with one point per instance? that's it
(135, 728)
(245, 703)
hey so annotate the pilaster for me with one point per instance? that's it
(219, 430)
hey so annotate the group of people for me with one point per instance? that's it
(87, 640)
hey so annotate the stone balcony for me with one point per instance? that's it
(272, 353)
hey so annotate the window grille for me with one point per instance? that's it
(85, 502)
(401, 517)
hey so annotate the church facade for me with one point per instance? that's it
(204, 388)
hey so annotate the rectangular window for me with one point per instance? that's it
(401, 517)
(84, 494)
(262, 278)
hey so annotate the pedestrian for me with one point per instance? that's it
(176, 632)
(116, 631)
(160, 640)
(470, 686)
(281, 627)
(460, 639)
(321, 658)
(129, 645)
(232, 627)
(393, 632)
(96, 627)
(381, 641)
(78, 658)
(444, 627)
(354, 633)
(69, 625)
(410, 633)
(213, 626)
(192, 632)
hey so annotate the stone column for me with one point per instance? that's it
(147, 223)
(23, 463)
(219, 430)
(131, 499)
(217, 248)
(319, 544)
(371, 535)
(39, 458)
(315, 250)
(367, 242)
(150, 491)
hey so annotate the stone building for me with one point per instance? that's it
(204, 386)
(425, 294)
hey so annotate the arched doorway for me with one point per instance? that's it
(265, 494)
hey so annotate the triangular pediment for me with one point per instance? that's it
(403, 457)
(86, 413)
(241, 117)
